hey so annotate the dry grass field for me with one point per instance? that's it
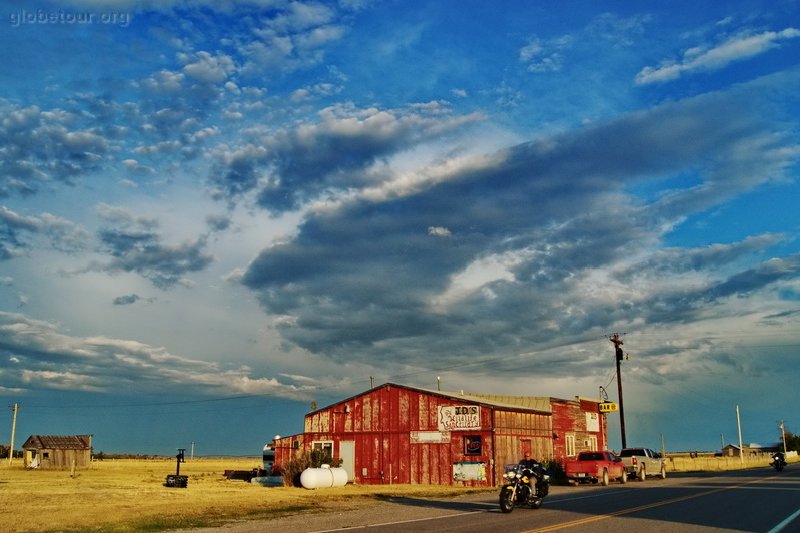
(130, 496)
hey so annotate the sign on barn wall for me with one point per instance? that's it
(592, 422)
(430, 437)
(468, 471)
(457, 417)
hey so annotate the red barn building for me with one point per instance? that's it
(399, 434)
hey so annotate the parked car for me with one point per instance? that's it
(598, 466)
(643, 462)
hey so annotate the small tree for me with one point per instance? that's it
(792, 441)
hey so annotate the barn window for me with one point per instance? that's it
(569, 443)
(473, 445)
(45, 455)
(324, 446)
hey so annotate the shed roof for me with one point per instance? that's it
(539, 404)
(534, 403)
(58, 442)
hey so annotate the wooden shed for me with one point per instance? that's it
(58, 451)
(400, 434)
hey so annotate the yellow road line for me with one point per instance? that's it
(605, 516)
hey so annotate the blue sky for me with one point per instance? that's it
(215, 213)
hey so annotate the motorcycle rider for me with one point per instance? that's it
(528, 462)
(778, 460)
(531, 467)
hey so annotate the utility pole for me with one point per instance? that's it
(619, 355)
(739, 425)
(15, 408)
(783, 437)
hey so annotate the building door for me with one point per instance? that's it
(525, 447)
(347, 453)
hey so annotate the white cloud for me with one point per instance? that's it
(705, 58)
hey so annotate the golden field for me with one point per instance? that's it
(130, 496)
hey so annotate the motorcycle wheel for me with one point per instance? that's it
(536, 503)
(507, 500)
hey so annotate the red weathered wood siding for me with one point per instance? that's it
(517, 432)
(397, 438)
(570, 418)
(381, 424)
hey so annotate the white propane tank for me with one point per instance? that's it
(317, 478)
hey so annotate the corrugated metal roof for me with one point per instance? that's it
(58, 442)
(540, 404)
(534, 403)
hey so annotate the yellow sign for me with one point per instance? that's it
(608, 407)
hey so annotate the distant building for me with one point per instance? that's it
(406, 435)
(731, 450)
(58, 452)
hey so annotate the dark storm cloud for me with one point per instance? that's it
(38, 147)
(19, 233)
(218, 222)
(143, 253)
(135, 245)
(766, 274)
(295, 166)
(679, 260)
(40, 356)
(127, 299)
(370, 279)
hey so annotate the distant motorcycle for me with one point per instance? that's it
(524, 486)
(778, 462)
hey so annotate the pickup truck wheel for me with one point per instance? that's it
(663, 473)
(624, 477)
(604, 480)
(642, 474)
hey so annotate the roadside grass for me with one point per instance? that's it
(129, 496)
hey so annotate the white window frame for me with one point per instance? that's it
(569, 444)
(324, 445)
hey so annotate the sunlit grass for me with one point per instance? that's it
(130, 496)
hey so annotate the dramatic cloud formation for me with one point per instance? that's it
(212, 214)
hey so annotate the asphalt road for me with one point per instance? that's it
(754, 501)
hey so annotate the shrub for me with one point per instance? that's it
(314, 459)
(557, 474)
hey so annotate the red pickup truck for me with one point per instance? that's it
(595, 467)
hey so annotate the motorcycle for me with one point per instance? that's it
(778, 462)
(518, 490)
